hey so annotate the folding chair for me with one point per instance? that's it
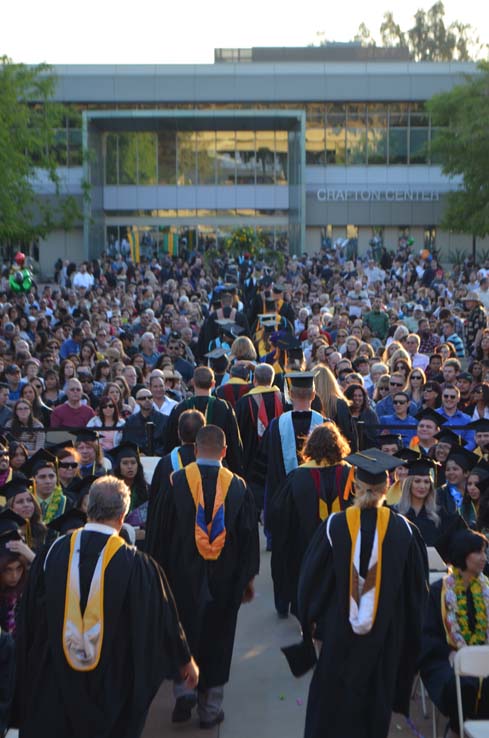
(436, 565)
(471, 661)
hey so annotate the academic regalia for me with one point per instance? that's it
(216, 412)
(360, 679)
(272, 451)
(433, 535)
(307, 497)
(208, 592)
(436, 671)
(233, 390)
(160, 483)
(142, 644)
(254, 412)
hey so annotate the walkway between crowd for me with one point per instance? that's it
(262, 699)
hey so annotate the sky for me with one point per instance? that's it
(187, 31)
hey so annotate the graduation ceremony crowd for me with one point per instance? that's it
(154, 416)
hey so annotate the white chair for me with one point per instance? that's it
(436, 565)
(471, 661)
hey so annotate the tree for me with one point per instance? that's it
(363, 36)
(462, 144)
(430, 38)
(28, 122)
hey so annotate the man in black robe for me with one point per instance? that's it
(98, 631)
(216, 412)
(208, 546)
(189, 424)
(237, 385)
(254, 412)
(362, 590)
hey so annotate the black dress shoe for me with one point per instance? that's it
(208, 724)
(182, 712)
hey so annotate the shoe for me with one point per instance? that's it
(182, 712)
(208, 724)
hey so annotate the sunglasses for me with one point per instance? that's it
(68, 464)
(416, 377)
(396, 384)
(383, 389)
(145, 397)
(111, 406)
(449, 397)
(399, 402)
(428, 389)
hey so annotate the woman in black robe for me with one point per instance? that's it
(445, 630)
(361, 591)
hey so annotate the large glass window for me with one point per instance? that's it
(226, 157)
(111, 159)
(336, 134)
(147, 148)
(265, 157)
(186, 158)
(167, 157)
(128, 158)
(206, 157)
(377, 134)
(75, 148)
(356, 135)
(281, 157)
(398, 134)
(245, 157)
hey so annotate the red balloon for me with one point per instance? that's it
(19, 257)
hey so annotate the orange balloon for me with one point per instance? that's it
(425, 253)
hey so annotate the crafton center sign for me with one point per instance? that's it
(331, 194)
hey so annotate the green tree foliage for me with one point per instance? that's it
(462, 145)
(429, 39)
(28, 119)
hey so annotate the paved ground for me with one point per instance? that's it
(262, 699)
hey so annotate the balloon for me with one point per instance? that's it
(425, 253)
(19, 258)
(20, 281)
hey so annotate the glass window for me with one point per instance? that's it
(281, 157)
(315, 145)
(418, 145)
(186, 158)
(146, 158)
(60, 148)
(398, 145)
(167, 157)
(377, 134)
(75, 147)
(435, 158)
(226, 157)
(245, 157)
(265, 157)
(206, 157)
(111, 142)
(127, 159)
(336, 135)
(356, 141)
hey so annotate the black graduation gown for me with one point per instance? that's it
(246, 415)
(222, 415)
(233, 391)
(272, 456)
(360, 679)
(437, 536)
(295, 517)
(437, 673)
(160, 484)
(143, 644)
(208, 593)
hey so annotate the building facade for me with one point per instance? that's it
(302, 146)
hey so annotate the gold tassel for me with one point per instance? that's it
(28, 533)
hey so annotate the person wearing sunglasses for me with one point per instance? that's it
(68, 470)
(449, 409)
(108, 418)
(400, 417)
(397, 384)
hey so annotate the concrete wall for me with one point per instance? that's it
(60, 244)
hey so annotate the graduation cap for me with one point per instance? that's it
(10, 523)
(407, 455)
(482, 469)
(270, 304)
(479, 426)
(16, 486)
(217, 353)
(267, 317)
(422, 467)
(463, 458)
(87, 434)
(301, 657)
(301, 379)
(372, 464)
(230, 327)
(125, 450)
(390, 439)
(4, 442)
(448, 436)
(428, 414)
(288, 342)
(278, 289)
(70, 520)
(40, 460)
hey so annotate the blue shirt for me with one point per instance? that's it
(386, 407)
(459, 418)
(69, 347)
(406, 433)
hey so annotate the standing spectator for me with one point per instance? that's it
(136, 428)
(72, 414)
(377, 320)
(363, 416)
(476, 322)
(82, 279)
